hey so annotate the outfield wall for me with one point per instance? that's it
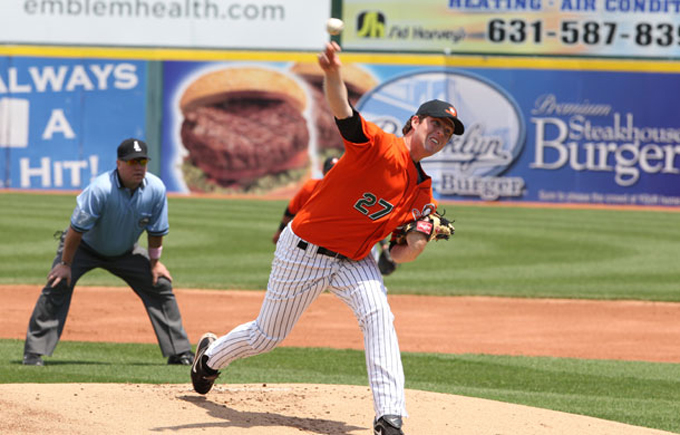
(585, 129)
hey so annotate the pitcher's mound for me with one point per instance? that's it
(278, 409)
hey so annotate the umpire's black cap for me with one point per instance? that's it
(131, 149)
(441, 109)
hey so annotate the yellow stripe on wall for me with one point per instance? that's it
(453, 61)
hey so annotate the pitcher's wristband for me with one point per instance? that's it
(62, 262)
(155, 253)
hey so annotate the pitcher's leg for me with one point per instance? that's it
(296, 280)
(280, 310)
(360, 286)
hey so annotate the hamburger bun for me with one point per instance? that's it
(243, 125)
(230, 83)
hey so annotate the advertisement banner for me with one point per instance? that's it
(622, 28)
(594, 137)
(62, 119)
(246, 127)
(219, 24)
(554, 135)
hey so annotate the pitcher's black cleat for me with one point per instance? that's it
(388, 425)
(202, 376)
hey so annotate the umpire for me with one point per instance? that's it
(110, 215)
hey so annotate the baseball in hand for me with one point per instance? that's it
(334, 26)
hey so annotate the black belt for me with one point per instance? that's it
(323, 251)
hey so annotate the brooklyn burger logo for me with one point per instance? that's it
(471, 164)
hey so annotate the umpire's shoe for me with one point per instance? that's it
(202, 376)
(182, 359)
(33, 359)
(388, 425)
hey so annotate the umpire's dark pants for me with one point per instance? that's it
(49, 315)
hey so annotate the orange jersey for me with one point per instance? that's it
(370, 191)
(302, 195)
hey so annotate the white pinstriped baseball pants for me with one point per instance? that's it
(297, 278)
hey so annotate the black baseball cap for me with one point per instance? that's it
(131, 149)
(442, 109)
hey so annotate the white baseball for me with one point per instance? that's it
(334, 26)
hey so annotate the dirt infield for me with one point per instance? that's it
(625, 330)
(564, 328)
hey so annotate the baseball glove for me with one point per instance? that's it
(434, 226)
(385, 262)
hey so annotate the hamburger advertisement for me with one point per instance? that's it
(254, 129)
(538, 135)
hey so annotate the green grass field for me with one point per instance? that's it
(503, 251)
(498, 251)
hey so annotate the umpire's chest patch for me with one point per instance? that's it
(143, 222)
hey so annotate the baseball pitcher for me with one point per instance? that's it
(377, 188)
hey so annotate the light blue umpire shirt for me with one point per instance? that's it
(112, 217)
